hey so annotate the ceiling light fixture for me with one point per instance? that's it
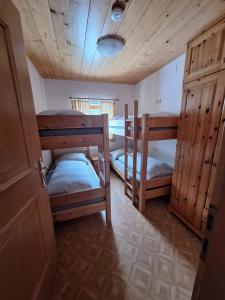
(117, 13)
(110, 45)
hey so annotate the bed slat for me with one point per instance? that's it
(159, 181)
(61, 142)
(162, 135)
(67, 121)
(163, 121)
(72, 213)
(68, 198)
(157, 192)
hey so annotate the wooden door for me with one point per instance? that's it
(209, 283)
(206, 53)
(197, 136)
(216, 169)
(27, 242)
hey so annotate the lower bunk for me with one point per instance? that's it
(158, 178)
(74, 188)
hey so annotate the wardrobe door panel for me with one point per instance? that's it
(197, 136)
(215, 173)
(206, 53)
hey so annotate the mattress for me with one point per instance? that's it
(155, 167)
(119, 165)
(60, 112)
(69, 176)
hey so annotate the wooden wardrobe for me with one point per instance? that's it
(200, 120)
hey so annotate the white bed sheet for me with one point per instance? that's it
(155, 167)
(72, 176)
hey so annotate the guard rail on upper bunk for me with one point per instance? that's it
(67, 131)
(157, 127)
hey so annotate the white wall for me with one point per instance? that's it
(37, 86)
(162, 92)
(58, 93)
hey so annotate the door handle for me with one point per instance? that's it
(42, 169)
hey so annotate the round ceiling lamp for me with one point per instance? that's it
(110, 45)
(117, 13)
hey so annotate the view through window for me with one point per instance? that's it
(95, 107)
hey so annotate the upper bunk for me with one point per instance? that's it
(67, 129)
(158, 126)
(162, 126)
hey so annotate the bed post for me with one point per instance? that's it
(125, 147)
(135, 136)
(106, 166)
(144, 156)
(88, 152)
(53, 155)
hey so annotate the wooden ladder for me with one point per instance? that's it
(134, 137)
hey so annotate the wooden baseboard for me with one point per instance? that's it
(187, 223)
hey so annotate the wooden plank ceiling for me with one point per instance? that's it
(61, 35)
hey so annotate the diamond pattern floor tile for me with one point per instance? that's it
(151, 256)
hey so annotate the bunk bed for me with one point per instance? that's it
(70, 196)
(145, 128)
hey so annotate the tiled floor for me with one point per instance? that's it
(151, 256)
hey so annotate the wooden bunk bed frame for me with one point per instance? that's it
(146, 128)
(71, 131)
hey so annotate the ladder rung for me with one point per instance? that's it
(129, 185)
(129, 195)
(132, 173)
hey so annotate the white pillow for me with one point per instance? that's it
(73, 156)
(117, 153)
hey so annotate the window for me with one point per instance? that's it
(95, 107)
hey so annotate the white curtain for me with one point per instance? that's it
(108, 107)
(85, 106)
(81, 105)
